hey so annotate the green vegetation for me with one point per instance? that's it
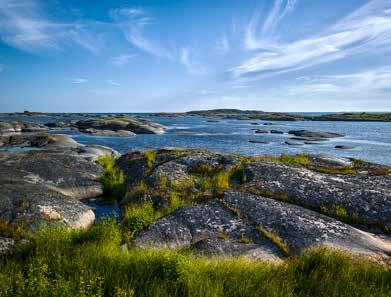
(150, 156)
(92, 263)
(112, 179)
(13, 231)
(275, 239)
(145, 203)
(363, 116)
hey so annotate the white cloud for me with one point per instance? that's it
(266, 40)
(122, 59)
(372, 82)
(368, 28)
(24, 25)
(190, 64)
(79, 80)
(113, 83)
(133, 21)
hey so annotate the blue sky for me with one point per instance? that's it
(140, 56)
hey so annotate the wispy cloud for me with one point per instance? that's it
(79, 80)
(222, 45)
(112, 82)
(192, 66)
(25, 25)
(368, 28)
(259, 36)
(374, 81)
(122, 59)
(133, 21)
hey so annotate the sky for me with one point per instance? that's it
(151, 56)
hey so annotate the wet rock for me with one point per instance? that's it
(344, 147)
(288, 142)
(309, 138)
(300, 228)
(276, 132)
(97, 132)
(14, 127)
(116, 124)
(312, 142)
(258, 141)
(58, 125)
(318, 134)
(261, 131)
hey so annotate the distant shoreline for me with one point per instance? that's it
(221, 114)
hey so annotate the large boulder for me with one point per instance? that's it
(211, 229)
(359, 199)
(41, 187)
(314, 134)
(299, 228)
(260, 207)
(14, 127)
(117, 126)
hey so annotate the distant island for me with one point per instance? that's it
(243, 115)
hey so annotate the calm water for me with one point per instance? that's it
(372, 140)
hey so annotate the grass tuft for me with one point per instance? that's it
(112, 179)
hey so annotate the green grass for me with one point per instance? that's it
(92, 263)
(112, 179)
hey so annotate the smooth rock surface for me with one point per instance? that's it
(363, 198)
(40, 187)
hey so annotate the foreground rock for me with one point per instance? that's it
(298, 228)
(260, 207)
(355, 198)
(210, 229)
(44, 187)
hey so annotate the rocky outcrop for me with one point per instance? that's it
(12, 128)
(314, 134)
(365, 199)
(261, 207)
(44, 187)
(118, 126)
(211, 229)
(297, 229)
(98, 132)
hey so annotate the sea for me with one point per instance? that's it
(371, 141)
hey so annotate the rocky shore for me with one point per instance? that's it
(278, 116)
(265, 208)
